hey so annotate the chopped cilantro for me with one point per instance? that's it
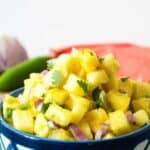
(147, 96)
(124, 79)
(101, 59)
(24, 106)
(99, 97)
(83, 85)
(8, 113)
(44, 107)
(50, 65)
(145, 124)
(121, 91)
(56, 77)
(91, 53)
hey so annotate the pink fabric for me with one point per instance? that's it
(134, 60)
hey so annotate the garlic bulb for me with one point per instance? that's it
(11, 52)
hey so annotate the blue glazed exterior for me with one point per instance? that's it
(125, 142)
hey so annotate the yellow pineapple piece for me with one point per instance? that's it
(23, 120)
(56, 95)
(82, 74)
(126, 85)
(95, 118)
(96, 78)
(32, 107)
(31, 83)
(73, 86)
(85, 128)
(38, 90)
(118, 100)
(34, 111)
(141, 90)
(141, 103)
(68, 63)
(41, 126)
(109, 64)
(11, 102)
(36, 77)
(109, 135)
(79, 106)
(27, 89)
(60, 134)
(113, 83)
(59, 115)
(141, 117)
(89, 60)
(119, 123)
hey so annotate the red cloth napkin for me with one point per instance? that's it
(134, 60)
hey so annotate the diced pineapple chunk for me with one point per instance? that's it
(141, 90)
(23, 120)
(34, 111)
(141, 103)
(59, 115)
(96, 78)
(36, 77)
(82, 74)
(95, 118)
(119, 123)
(60, 134)
(27, 89)
(126, 86)
(38, 90)
(108, 135)
(41, 126)
(141, 117)
(118, 100)
(110, 64)
(79, 107)
(56, 95)
(89, 60)
(68, 63)
(85, 128)
(113, 83)
(73, 86)
(11, 102)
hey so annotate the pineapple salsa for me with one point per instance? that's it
(79, 97)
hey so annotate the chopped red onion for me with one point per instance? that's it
(77, 133)
(130, 117)
(99, 134)
(38, 104)
(44, 72)
(102, 131)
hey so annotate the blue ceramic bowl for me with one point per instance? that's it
(132, 141)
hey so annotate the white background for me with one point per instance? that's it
(43, 24)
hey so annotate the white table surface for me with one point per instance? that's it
(43, 24)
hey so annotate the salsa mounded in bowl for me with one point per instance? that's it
(122, 137)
